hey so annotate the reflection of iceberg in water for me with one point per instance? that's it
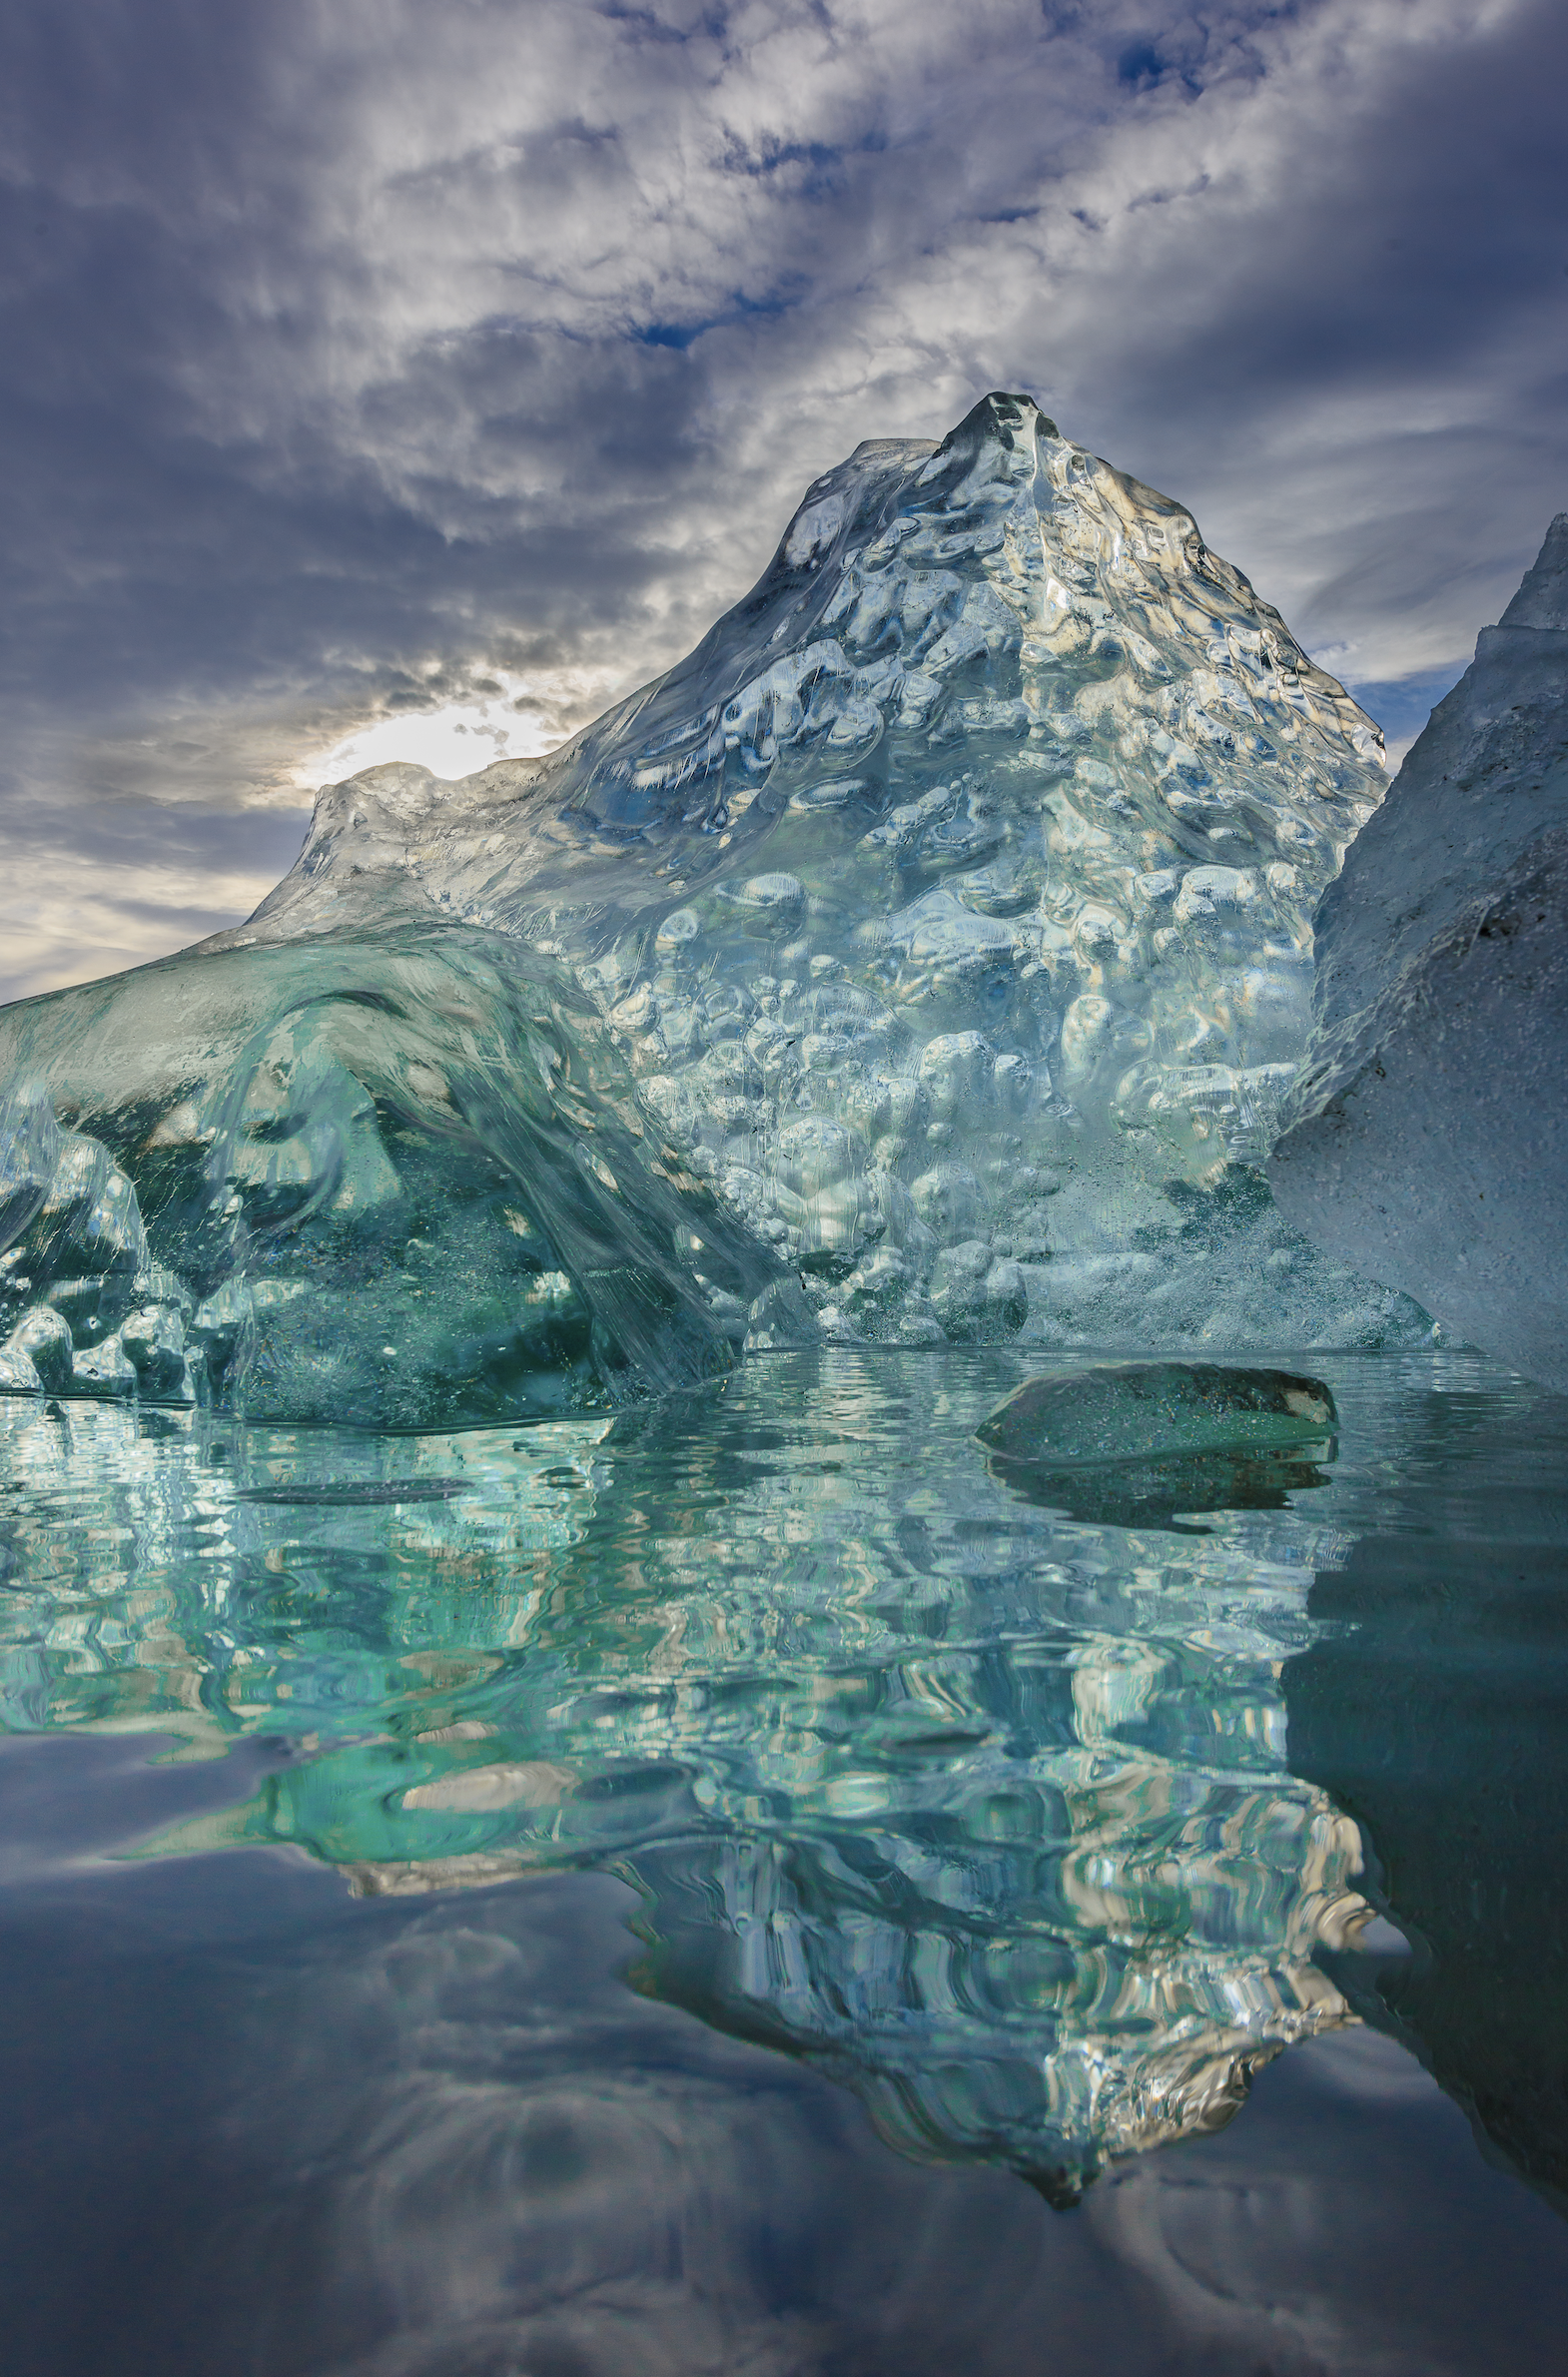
(1057, 1973)
(983, 1808)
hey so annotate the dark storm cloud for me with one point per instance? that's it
(350, 353)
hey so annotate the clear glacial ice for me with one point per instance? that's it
(316, 1173)
(924, 960)
(1118, 1412)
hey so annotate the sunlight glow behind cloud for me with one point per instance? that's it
(524, 718)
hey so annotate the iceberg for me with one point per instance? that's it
(1427, 1136)
(923, 959)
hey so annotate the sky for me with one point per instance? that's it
(388, 379)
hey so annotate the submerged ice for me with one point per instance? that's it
(925, 959)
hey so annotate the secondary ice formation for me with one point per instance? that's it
(1428, 1135)
(922, 959)
(391, 1176)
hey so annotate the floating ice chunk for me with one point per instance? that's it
(346, 1150)
(1133, 1443)
(1123, 1411)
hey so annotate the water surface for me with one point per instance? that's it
(746, 1886)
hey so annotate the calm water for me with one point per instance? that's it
(747, 1889)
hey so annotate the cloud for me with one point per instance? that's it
(360, 357)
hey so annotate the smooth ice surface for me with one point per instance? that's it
(938, 931)
(320, 1177)
(1429, 1133)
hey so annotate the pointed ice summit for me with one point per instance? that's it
(924, 959)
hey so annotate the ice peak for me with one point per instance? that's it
(1542, 599)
